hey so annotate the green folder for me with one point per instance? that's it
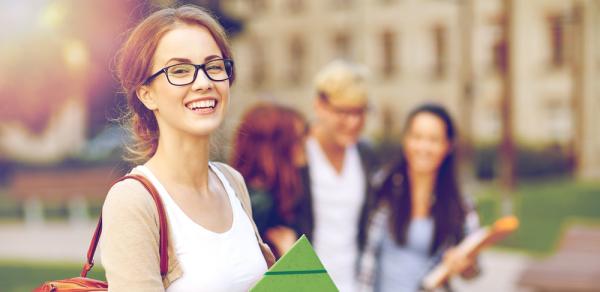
(297, 270)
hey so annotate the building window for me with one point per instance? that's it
(342, 46)
(440, 47)
(258, 64)
(494, 31)
(297, 53)
(259, 6)
(558, 121)
(500, 49)
(342, 4)
(389, 60)
(296, 6)
(557, 29)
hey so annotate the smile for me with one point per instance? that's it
(203, 106)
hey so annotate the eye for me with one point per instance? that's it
(179, 70)
(215, 67)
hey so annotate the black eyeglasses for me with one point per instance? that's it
(184, 73)
(345, 112)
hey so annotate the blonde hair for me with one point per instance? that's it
(134, 62)
(343, 83)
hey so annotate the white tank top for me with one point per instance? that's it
(228, 261)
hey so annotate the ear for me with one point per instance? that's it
(452, 146)
(146, 97)
(318, 104)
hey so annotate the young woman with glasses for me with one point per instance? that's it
(176, 70)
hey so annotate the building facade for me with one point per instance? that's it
(451, 52)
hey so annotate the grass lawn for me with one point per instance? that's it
(544, 209)
(25, 276)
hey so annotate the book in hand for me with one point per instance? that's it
(471, 246)
(299, 269)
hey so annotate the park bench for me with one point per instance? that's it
(73, 186)
(574, 267)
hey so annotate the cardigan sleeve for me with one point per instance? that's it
(129, 243)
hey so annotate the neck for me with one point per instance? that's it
(182, 159)
(334, 152)
(421, 189)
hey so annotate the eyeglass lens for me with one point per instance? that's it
(182, 74)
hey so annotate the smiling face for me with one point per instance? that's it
(426, 143)
(197, 108)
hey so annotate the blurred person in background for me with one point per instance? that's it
(421, 214)
(176, 71)
(269, 153)
(334, 209)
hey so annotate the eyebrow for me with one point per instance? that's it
(186, 60)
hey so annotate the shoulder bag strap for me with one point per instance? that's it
(163, 230)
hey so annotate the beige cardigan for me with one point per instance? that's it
(129, 244)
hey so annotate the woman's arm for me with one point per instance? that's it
(129, 243)
(459, 263)
(466, 266)
(282, 237)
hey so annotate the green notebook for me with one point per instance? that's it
(297, 270)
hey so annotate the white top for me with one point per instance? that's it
(228, 261)
(337, 203)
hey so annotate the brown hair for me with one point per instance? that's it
(134, 62)
(263, 151)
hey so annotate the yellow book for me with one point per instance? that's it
(471, 246)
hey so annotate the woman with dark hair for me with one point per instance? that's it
(269, 153)
(420, 214)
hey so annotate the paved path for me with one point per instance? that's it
(500, 273)
(50, 242)
(64, 242)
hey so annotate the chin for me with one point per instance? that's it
(348, 141)
(424, 169)
(205, 128)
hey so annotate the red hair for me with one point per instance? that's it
(263, 150)
(134, 62)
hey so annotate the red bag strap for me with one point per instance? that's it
(163, 230)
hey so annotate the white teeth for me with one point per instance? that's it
(206, 103)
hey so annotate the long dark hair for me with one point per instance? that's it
(263, 151)
(447, 210)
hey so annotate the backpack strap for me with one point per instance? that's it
(163, 229)
(239, 186)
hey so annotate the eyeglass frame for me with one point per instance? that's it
(197, 68)
(342, 112)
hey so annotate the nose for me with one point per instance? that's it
(355, 121)
(202, 83)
